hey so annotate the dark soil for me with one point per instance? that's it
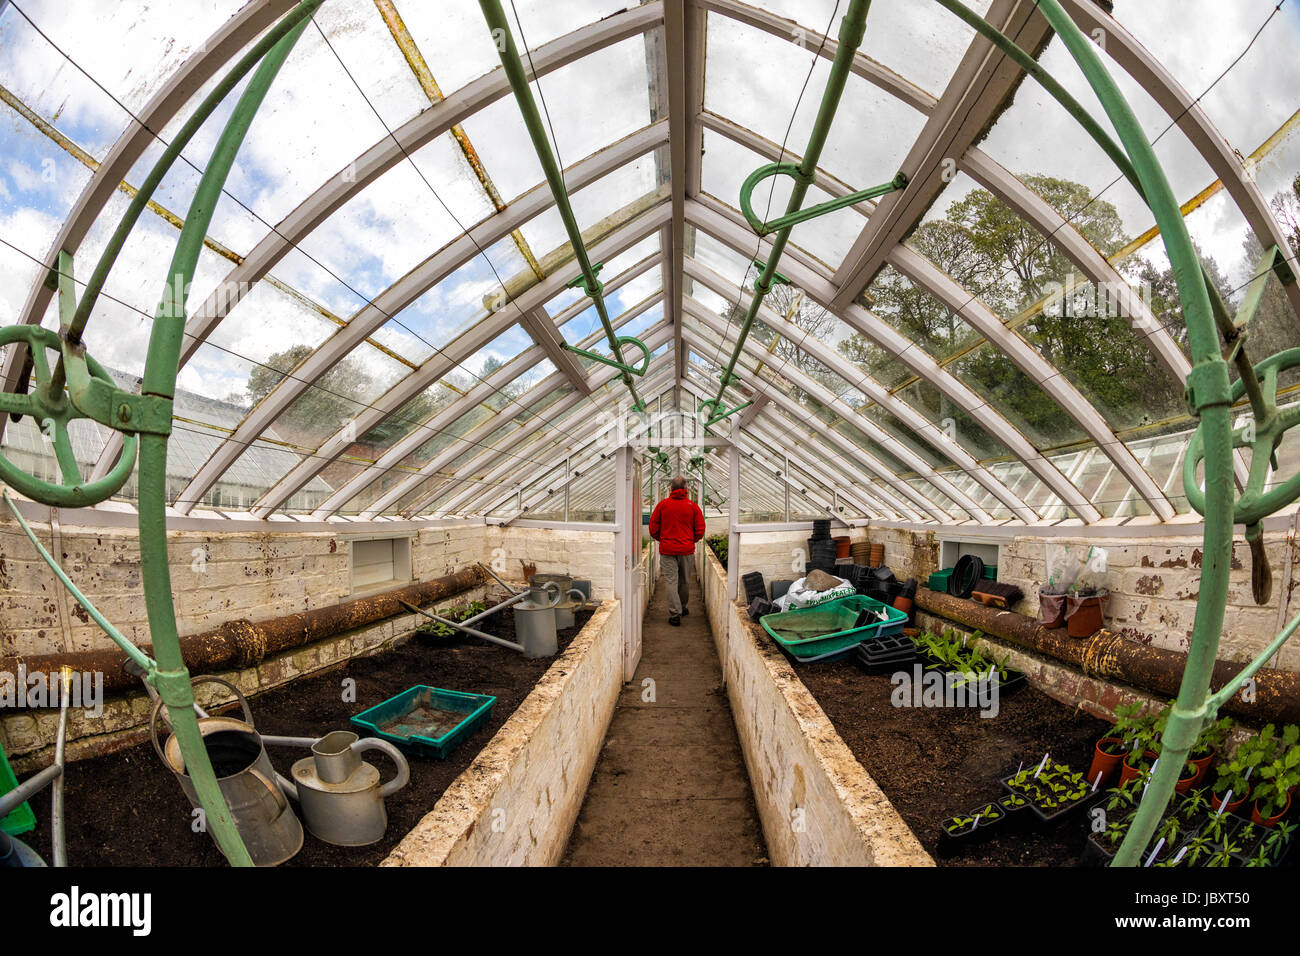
(126, 809)
(936, 762)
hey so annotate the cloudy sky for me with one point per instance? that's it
(316, 120)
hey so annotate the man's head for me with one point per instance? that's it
(679, 483)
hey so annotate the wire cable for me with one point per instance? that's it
(368, 302)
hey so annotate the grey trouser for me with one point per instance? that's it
(675, 579)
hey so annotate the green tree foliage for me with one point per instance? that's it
(1010, 266)
(334, 399)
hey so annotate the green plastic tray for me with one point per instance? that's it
(814, 632)
(405, 720)
(21, 819)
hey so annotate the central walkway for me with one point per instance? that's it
(670, 787)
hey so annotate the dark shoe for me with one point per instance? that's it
(675, 621)
(686, 612)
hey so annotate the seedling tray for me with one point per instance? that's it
(886, 653)
(888, 644)
(21, 819)
(951, 843)
(816, 633)
(426, 720)
(1056, 816)
(1013, 682)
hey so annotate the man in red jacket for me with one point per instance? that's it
(677, 524)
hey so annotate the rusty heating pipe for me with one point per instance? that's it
(242, 643)
(1110, 656)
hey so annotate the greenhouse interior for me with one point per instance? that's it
(687, 433)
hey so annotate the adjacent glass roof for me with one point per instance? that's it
(377, 317)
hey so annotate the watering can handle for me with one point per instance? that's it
(403, 768)
(578, 596)
(554, 589)
(281, 800)
(202, 678)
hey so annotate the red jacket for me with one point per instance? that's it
(677, 523)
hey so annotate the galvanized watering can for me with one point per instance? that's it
(267, 824)
(534, 620)
(340, 795)
(571, 597)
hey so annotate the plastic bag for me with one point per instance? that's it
(798, 596)
(1075, 569)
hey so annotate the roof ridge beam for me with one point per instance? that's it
(980, 87)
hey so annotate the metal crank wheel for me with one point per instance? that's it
(51, 406)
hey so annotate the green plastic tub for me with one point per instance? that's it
(426, 720)
(827, 629)
(21, 819)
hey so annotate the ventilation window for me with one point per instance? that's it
(379, 563)
(950, 549)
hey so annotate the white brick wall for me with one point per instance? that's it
(585, 555)
(215, 578)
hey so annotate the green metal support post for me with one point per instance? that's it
(1209, 396)
(80, 388)
(504, 39)
(853, 28)
(173, 679)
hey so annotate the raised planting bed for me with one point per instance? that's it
(126, 809)
(939, 763)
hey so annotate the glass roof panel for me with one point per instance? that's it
(360, 70)
(764, 100)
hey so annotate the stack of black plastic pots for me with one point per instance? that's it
(821, 548)
(754, 586)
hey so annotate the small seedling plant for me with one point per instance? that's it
(1278, 777)
(1265, 768)
(461, 613)
(961, 657)
(986, 815)
(1050, 786)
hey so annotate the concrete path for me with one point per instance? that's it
(670, 788)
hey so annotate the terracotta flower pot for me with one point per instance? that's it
(1051, 609)
(1232, 807)
(1269, 822)
(1127, 773)
(842, 544)
(1104, 763)
(1084, 616)
(1202, 767)
(1188, 780)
